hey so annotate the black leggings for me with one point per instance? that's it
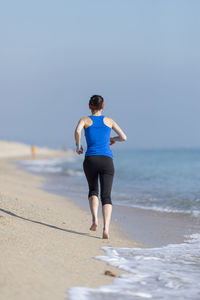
(99, 166)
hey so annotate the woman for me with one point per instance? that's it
(98, 162)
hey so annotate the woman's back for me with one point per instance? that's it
(98, 137)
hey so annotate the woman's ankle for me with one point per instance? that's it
(105, 234)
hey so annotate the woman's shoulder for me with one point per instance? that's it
(87, 121)
(108, 121)
(108, 118)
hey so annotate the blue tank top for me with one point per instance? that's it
(98, 137)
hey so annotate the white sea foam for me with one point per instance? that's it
(195, 213)
(47, 162)
(72, 172)
(170, 272)
(53, 165)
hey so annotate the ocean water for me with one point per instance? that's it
(165, 180)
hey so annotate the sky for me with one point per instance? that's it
(142, 56)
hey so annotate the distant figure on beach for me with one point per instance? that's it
(98, 162)
(33, 151)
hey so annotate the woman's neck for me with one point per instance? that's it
(97, 113)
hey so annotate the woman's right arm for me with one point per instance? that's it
(77, 135)
(121, 137)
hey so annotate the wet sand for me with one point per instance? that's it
(155, 228)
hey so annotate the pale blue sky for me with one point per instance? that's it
(142, 56)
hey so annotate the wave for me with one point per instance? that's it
(194, 213)
(170, 272)
(53, 165)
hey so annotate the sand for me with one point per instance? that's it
(14, 150)
(45, 243)
(155, 228)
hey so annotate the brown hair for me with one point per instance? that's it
(96, 102)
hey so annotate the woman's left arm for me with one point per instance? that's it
(121, 135)
(77, 135)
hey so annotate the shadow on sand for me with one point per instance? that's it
(48, 225)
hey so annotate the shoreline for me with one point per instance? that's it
(155, 228)
(151, 228)
(41, 234)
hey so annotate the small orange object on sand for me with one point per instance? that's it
(109, 273)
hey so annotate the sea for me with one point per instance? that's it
(154, 180)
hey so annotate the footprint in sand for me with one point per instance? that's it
(2, 220)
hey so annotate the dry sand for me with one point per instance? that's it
(14, 149)
(45, 243)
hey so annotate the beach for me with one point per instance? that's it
(45, 242)
(48, 252)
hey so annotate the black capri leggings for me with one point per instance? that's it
(99, 167)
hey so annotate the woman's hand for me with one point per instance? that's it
(112, 141)
(79, 150)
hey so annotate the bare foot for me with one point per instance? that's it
(105, 235)
(94, 227)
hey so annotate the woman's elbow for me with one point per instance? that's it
(124, 138)
(76, 133)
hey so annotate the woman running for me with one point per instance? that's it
(98, 162)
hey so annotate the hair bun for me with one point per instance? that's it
(96, 102)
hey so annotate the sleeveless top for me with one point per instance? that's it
(98, 137)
